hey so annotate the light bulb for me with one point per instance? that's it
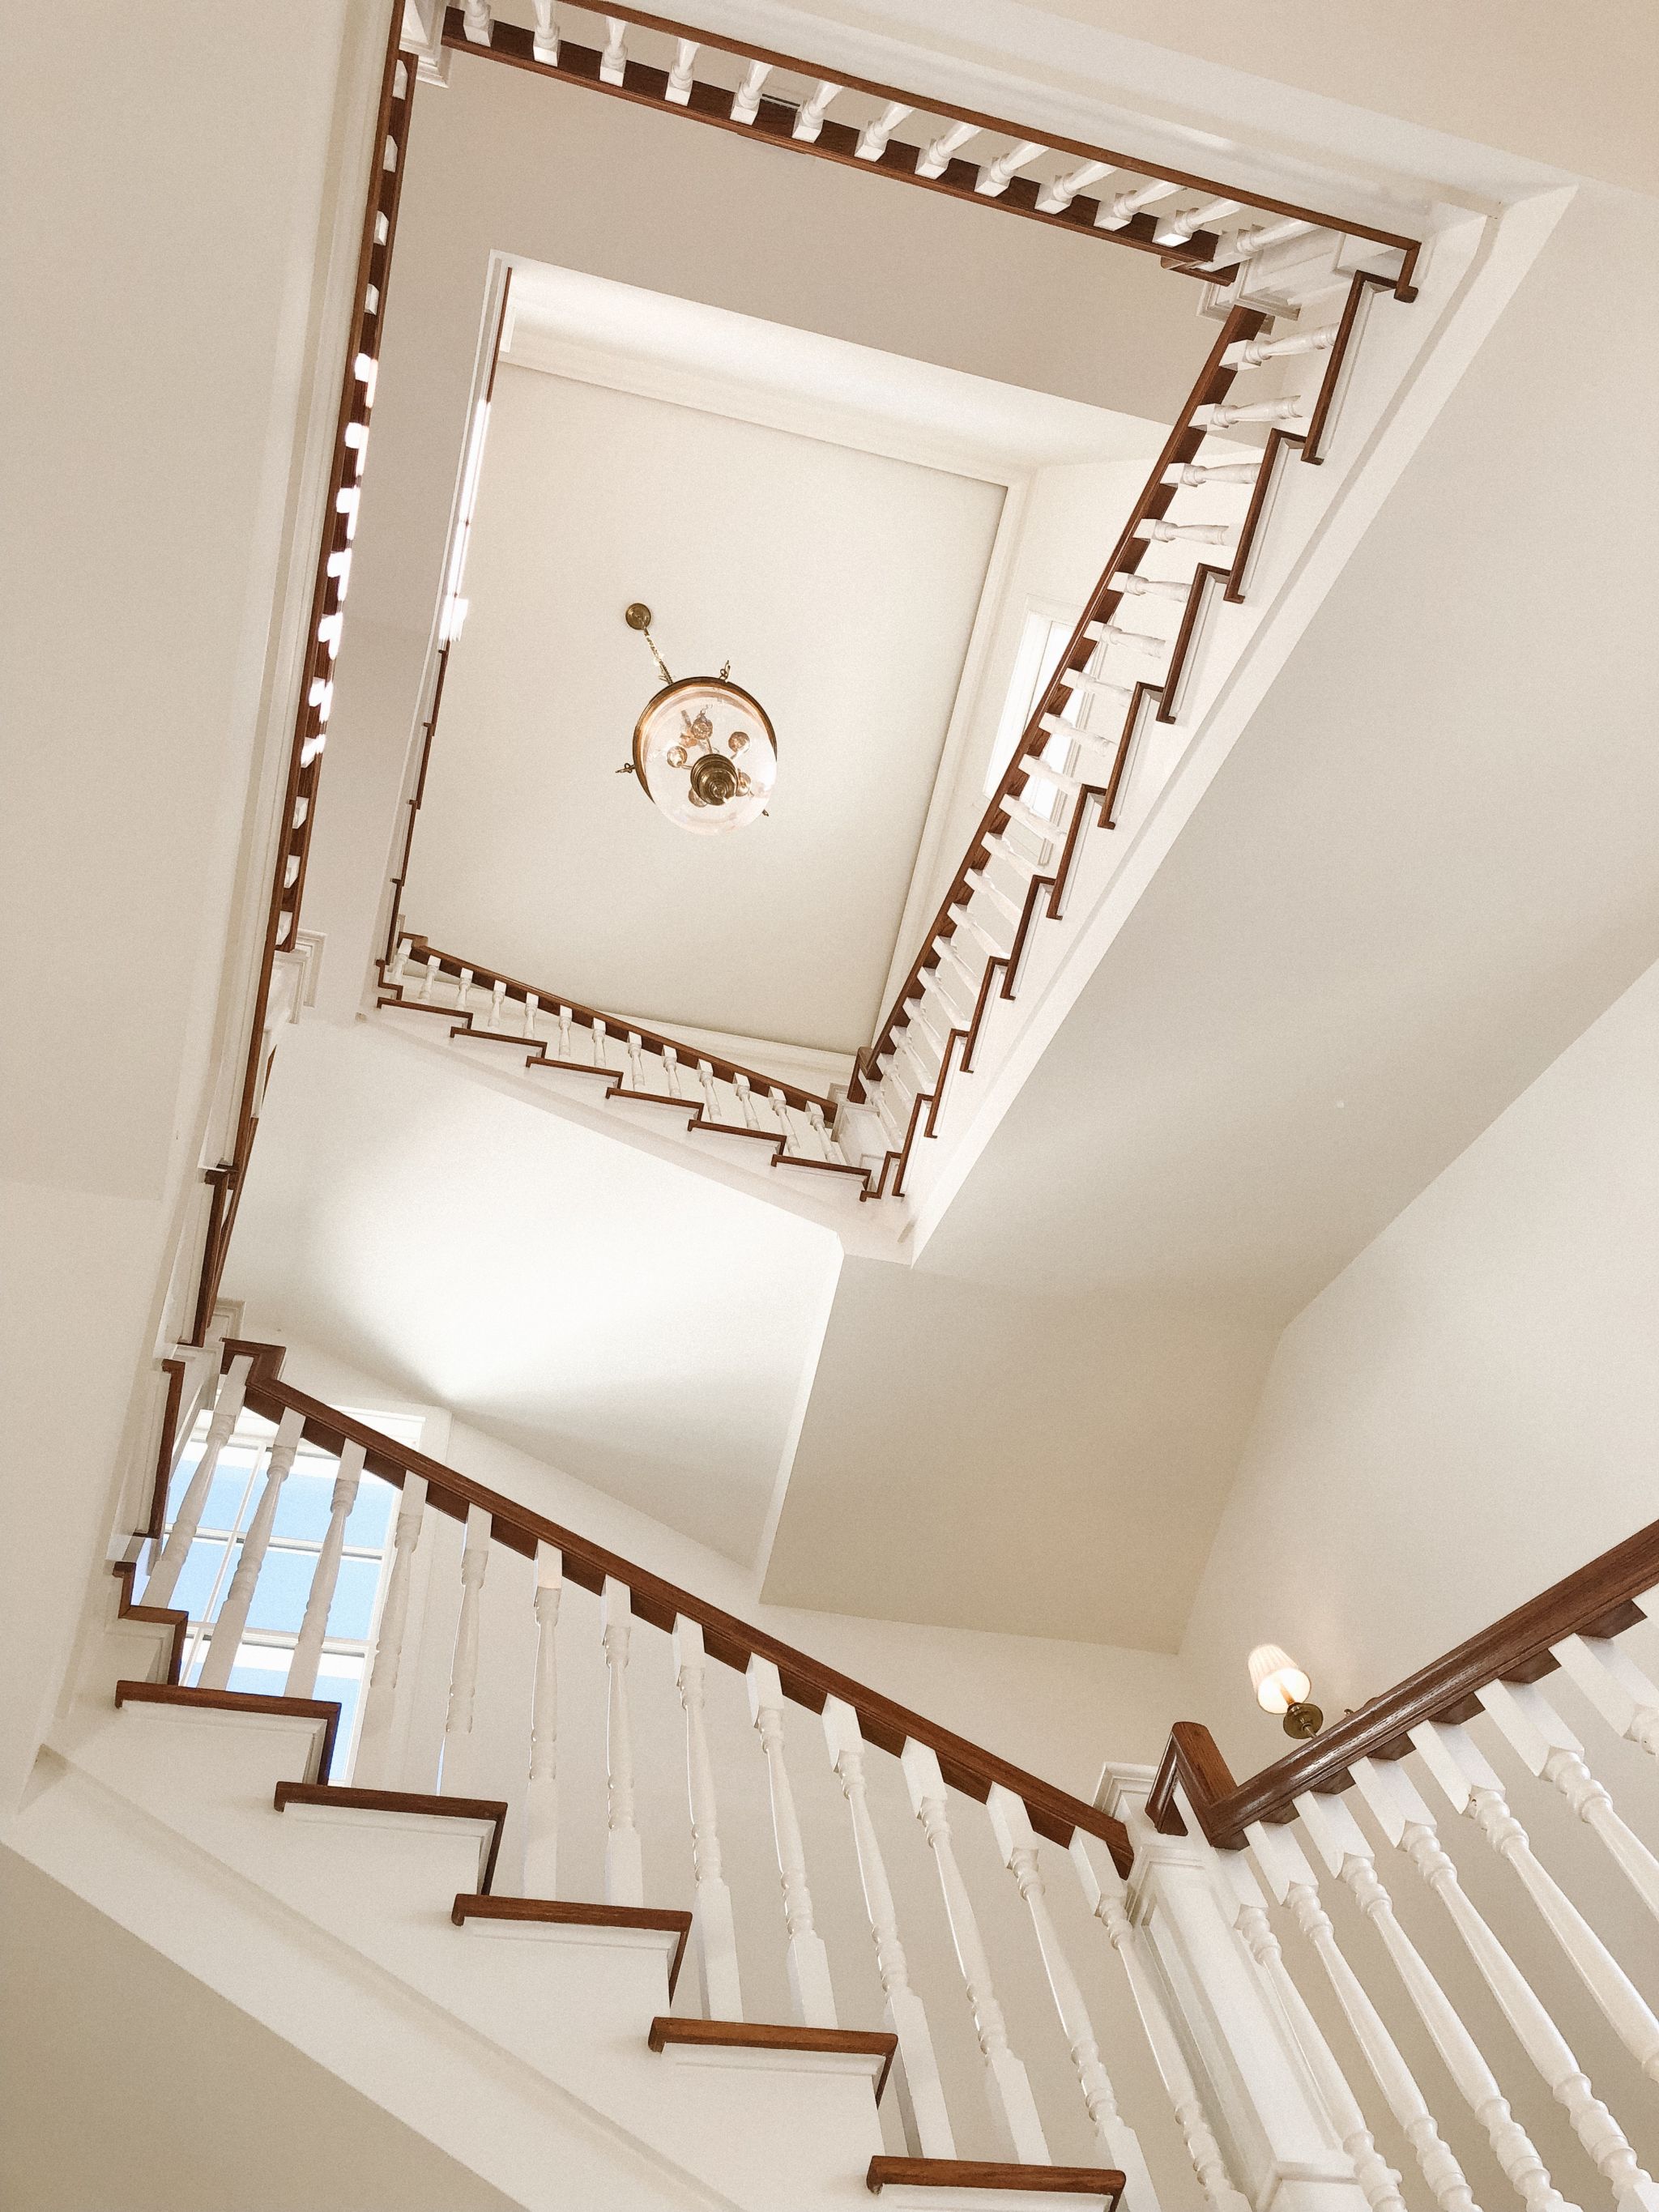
(1278, 1682)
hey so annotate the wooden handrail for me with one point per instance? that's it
(1598, 1600)
(1215, 380)
(450, 963)
(966, 1767)
(773, 123)
(382, 196)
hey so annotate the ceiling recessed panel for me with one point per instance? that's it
(841, 585)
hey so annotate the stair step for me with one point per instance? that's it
(988, 2187)
(861, 2050)
(326, 1715)
(557, 1912)
(488, 1813)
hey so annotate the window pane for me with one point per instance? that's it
(190, 1592)
(279, 1601)
(366, 1523)
(225, 1494)
(303, 1508)
(354, 1599)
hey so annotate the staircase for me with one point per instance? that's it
(456, 1882)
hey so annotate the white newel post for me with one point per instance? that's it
(1119, 2145)
(371, 1766)
(1282, 2146)
(541, 1848)
(716, 1937)
(309, 1648)
(1106, 1898)
(921, 2097)
(1013, 2108)
(455, 1772)
(233, 1614)
(227, 1412)
(808, 1960)
(624, 1868)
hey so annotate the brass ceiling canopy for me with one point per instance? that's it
(704, 749)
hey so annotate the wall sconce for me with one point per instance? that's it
(1281, 1686)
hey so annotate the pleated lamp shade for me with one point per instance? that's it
(1278, 1682)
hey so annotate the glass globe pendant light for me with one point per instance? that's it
(705, 751)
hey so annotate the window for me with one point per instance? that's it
(1044, 636)
(266, 1648)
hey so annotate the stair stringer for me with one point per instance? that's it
(526, 2060)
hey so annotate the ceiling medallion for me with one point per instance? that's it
(704, 750)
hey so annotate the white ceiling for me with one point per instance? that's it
(639, 1325)
(842, 587)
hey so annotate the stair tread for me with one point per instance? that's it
(571, 1913)
(234, 1701)
(761, 2035)
(346, 1798)
(977, 2173)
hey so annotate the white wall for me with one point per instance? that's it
(1467, 1412)
(159, 272)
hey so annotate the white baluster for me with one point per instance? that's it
(1250, 353)
(995, 176)
(1055, 198)
(1128, 585)
(1440, 2169)
(1160, 532)
(808, 1960)
(779, 1106)
(745, 1103)
(464, 995)
(1406, 1820)
(1017, 1841)
(935, 158)
(544, 42)
(1117, 212)
(1542, 1739)
(396, 965)
(809, 118)
(745, 101)
(921, 2097)
(532, 1008)
(227, 1412)
(563, 1019)
(624, 1872)
(671, 1081)
(1176, 229)
(463, 1675)
(430, 981)
(1105, 1898)
(1626, 1699)
(1472, 1788)
(1379, 2184)
(1013, 2109)
(1245, 245)
(613, 62)
(1212, 472)
(477, 21)
(233, 1614)
(1084, 687)
(873, 139)
(1476, 2083)
(717, 1942)
(371, 1766)
(635, 1062)
(820, 1134)
(308, 1646)
(497, 993)
(711, 1103)
(541, 1808)
(680, 80)
(1222, 415)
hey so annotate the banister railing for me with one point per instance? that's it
(1593, 1605)
(807, 1681)
(1091, 191)
(1115, 684)
(711, 1096)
